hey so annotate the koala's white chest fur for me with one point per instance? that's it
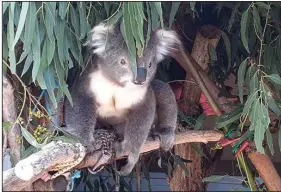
(114, 101)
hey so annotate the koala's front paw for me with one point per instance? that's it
(166, 140)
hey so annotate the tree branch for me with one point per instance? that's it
(31, 169)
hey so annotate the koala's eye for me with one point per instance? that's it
(123, 62)
(149, 65)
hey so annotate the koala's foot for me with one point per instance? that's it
(167, 139)
(128, 167)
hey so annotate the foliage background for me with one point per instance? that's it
(43, 46)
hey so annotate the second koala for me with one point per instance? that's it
(109, 93)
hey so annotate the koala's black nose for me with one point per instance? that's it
(141, 76)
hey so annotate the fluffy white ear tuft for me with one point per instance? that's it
(167, 41)
(98, 37)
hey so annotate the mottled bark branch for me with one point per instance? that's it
(32, 167)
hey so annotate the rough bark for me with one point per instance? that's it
(207, 36)
(31, 169)
(9, 114)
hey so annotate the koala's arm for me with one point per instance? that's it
(167, 112)
(136, 131)
(80, 119)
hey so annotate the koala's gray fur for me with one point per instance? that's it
(106, 94)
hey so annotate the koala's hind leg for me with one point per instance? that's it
(167, 112)
(137, 127)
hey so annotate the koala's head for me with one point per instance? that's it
(108, 44)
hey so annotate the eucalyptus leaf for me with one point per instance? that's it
(74, 20)
(31, 140)
(275, 78)
(83, 21)
(241, 75)
(62, 9)
(50, 19)
(60, 36)
(254, 83)
(199, 122)
(227, 47)
(5, 5)
(36, 51)
(251, 98)
(181, 164)
(10, 39)
(22, 18)
(212, 52)
(27, 63)
(148, 23)
(228, 118)
(269, 141)
(257, 22)
(192, 5)
(174, 9)
(244, 30)
(262, 4)
(51, 84)
(159, 11)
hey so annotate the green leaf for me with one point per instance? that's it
(29, 151)
(60, 36)
(262, 4)
(154, 16)
(213, 178)
(74, 20)
(83, 21)
(5, 6)
(159, 11)
(148, 23)
(50, 51)
(49, 78)
(199, 122)
(6, 125)
(241, 75)
(62, 9)
(192, 5)
(31, 140)
(50, 19)
(128, 36)
(251, 98)
(174, 9)
(139, 19)
(212, 52)
(275, 78)
(10, 39)
(106, 7)
(270, 101)
(115, 18)
(22, 18)
(257, 22)
(269, 141)
(244, 30)
(227, 47)
(36, 51)
(29, 29)
(254, 83)
(5, 47)
(41, 81)
(181, 164)
(27, 63)
(228, 118)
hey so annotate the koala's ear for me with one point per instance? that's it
(167, 41)
(98, 37)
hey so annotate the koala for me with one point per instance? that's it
(109, 93)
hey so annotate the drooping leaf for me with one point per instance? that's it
(31, 140)
(241, 75)
(262, 4)
(199, 122)
(251, 98)
(115, 18)
(50, 48)
(27, 63)
(244, 30)
(227, 47)
(74, 21)
(41, 81)
(5, 46)
(36, 51)
(10, 39)
(212, 52)
(5, 5)
(22, 18)
(148, 23)
(84, 26)
(51, 84)
(257, 22)
(228, 118)
(181, 164)
(154, 16)
(29, 29)
(50, 19)
(269, 141)
(60, 36)
(106, 7)
(275, 78)
(192, 5)
(174, 9)
(254, 83)
(159, 11)
(62, 9)
(213, 178)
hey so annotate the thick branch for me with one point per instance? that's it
(52, 154)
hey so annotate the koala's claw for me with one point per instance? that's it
(166, 140)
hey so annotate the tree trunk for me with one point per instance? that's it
(208, 35)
